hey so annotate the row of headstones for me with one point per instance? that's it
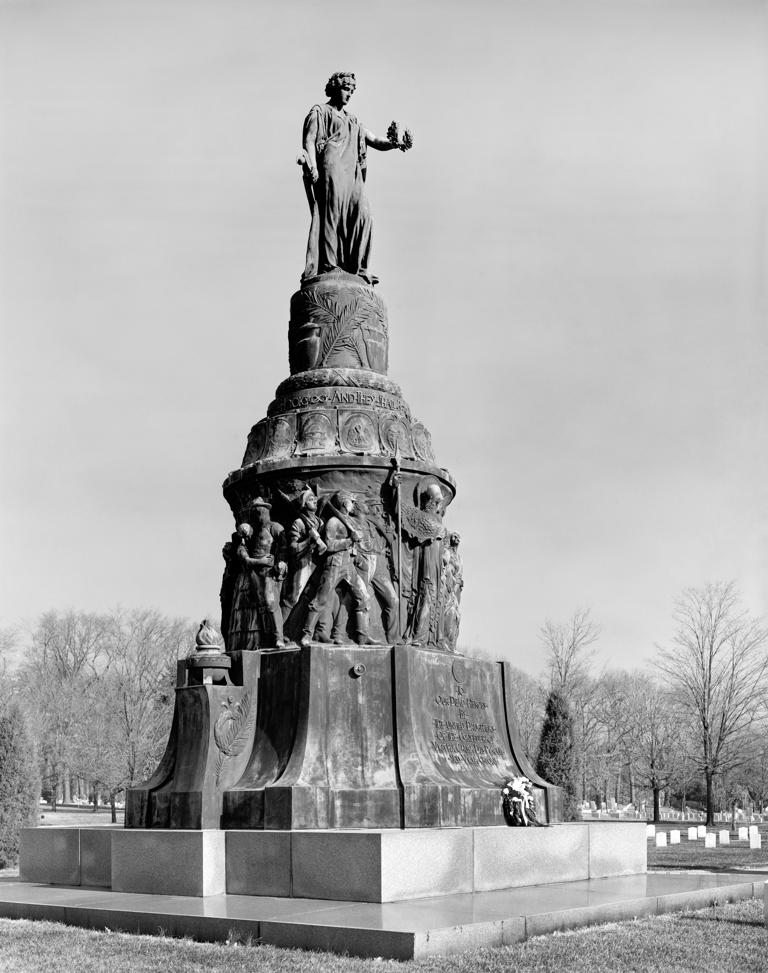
(725, 816)
(750, 834)
(668, 814)
(622, 815)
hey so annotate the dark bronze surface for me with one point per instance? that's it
(339, 507)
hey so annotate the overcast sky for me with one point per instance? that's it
(573, 257)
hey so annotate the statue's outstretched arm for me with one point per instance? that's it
(394, 139)
(383, 145)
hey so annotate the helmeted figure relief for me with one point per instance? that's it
(337, 571)
(304, 548)
(372, 563)
(421, 555)
(452, 582)
(334, 161)
(256, 618)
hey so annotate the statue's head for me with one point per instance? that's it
(432, 498)
(341, 86)
(454, 539)
(245, 531)
(261, 508)
(343, 501)
(308, 501)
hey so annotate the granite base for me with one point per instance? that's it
(357, 866)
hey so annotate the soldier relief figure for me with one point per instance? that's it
(338, 571)
(255, 620)
(372, 560)
(349, 562)
(305, 548)
(334, 162)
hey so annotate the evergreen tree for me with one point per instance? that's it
(555, 762)
(19, 783)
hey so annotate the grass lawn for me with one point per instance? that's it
(722, 938)
(77, 818)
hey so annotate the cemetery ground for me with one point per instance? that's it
(692, 854)
(722, 937)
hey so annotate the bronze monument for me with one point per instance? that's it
(343, 701)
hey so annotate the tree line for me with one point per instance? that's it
(690, 727)
(96, 692)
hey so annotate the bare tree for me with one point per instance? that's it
(568, 662)
(589, 737)
(716, 665)
(100, 691)
(131, 705)
(607, 746)
(530, 699)
(566, 645)
(655, 735)
(55, 680)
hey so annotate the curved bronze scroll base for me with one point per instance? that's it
(342, 737)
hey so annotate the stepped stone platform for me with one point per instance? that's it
(408, 929)
(363, 866)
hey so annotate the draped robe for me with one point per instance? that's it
(340, 232)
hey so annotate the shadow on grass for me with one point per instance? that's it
(712, 916)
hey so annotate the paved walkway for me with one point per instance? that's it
(397, 930)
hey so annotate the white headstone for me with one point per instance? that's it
(725, 837)
(661, 839)
(674, 837)
(702, 830)
(754, 841)
(710, 840)
(693, 834)
(743, 834)
(650, 831)
(753, 829)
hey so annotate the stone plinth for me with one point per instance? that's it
(67, 856)
(50, 856)
(168, 862)
(355, 866)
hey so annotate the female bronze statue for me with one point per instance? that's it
(334, 165)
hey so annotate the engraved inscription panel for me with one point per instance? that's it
(339, 396)
(458, 719)
(464, 731)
